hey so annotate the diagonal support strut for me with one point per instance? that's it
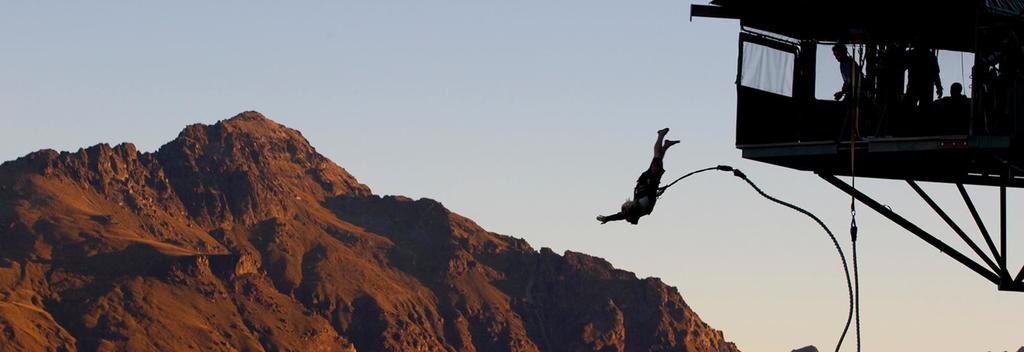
(981, 224)
(909, 226)
(952, 224)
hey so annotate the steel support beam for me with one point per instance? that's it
(956, 228)
(914, 229)
(1002, 231)
(712, 12)
(981, 224)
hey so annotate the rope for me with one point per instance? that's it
(963, 78)
(854, 133)
(856, 285)
(849, 285)
(719, 167)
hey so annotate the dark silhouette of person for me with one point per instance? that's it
(1004, 89)
(892, 66)
(954, 110)
(956, 93)
(983, 88)
(646, 192)
(922, 75)
(851, 72)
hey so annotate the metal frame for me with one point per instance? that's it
(994, 271)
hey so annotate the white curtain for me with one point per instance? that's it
(767, 69)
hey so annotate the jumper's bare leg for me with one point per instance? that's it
(659, 145)
(668, 143)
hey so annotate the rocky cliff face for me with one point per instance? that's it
(240, 236)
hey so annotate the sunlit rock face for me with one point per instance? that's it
(240, 236)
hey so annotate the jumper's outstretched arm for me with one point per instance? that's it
(614, 217)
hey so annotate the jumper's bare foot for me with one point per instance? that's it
(663, 131)
(669, 143)
(602, 219)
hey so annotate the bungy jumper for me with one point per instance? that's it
(646, 192)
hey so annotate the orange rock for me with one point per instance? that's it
(240, 236)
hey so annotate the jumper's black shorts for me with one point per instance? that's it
(647, 184)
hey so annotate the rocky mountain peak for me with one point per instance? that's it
(248, 168)
(239, 236)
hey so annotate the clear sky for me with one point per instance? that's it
(530, 117)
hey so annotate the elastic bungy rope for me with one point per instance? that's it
(736, 172)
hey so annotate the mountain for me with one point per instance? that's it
(240, 236)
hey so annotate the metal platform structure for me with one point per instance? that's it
(876, 134)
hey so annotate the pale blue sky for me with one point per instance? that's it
(530, 117)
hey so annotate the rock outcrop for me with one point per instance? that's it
(240, 236)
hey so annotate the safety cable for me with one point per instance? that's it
(854, 134)
(849, 285)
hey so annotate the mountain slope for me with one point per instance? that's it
(240, 236)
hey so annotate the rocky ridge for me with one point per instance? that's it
(240, 236)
